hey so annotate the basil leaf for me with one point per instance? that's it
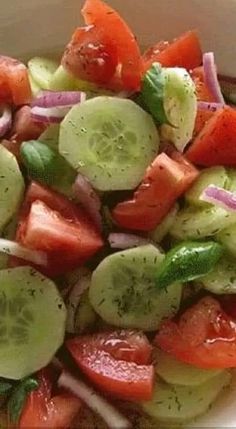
(5, 386)
(153, 88)
(40, 160)
(19, 396)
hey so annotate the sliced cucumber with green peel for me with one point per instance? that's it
(180, 105)
(163, 228)
(231, 185)
(228, 238)
(174, 371)
(32, 322)
(85, 317)
(9, 233)
(123, 290)
(193, 223)
(61, 80)
(51, 136)
(41, 71)
(223, 279)
(109, 140)
(11, 186)
(35, 88)
(178, 404)
(210, 176)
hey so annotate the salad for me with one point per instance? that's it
(117, 232)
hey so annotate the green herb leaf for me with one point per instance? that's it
(153, 89)
(187, 262)
(19, 396)
(40, 160)
(5, 386)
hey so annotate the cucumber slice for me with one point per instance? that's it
(11, 186)
(32, 322)
(210, 176)
(123, 290)
(231, 186)
(85, 316)
(163, 228)
(180, 105)
(228, 238)
(51, 136)
(109, 140)
(9, 233)
(174, 403)
(61, 80)
(223, 279)
(35, 88)
(41, 70)
(174, 371)
(192, 223)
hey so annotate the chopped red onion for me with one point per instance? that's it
(89, 199)
(210, 77)
(52, 115)
(48, 99)
(219, 196)
(5, 120)
(76, 293)
(16, 249)
(212, 107)
(113, 418)
(126, 241)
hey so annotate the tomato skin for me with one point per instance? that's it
(127, 345)
(164, 182)
(204, 336)
(24, 128)
(43, 411)
(116, 363)
(184, 51)
(90, 56)
(96, 51)
(216, 143)
(51, 223)
(14, 82)
(98, 13)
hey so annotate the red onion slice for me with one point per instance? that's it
(89, 199)
(15, 249)
(219, 196)
(210, 77)
(113, 418)
(212, 107)
(53, 115)
(48, 99)
(126, 241)
(76, 293)
(5, 120)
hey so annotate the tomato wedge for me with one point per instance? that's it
(14, 82)
(44, 411)
(205, 336)
(216, 143)
(164, 182)
(182, 52)
(117, 363)
(97, 51)
(51, 223)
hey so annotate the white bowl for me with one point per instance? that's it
(44, 26)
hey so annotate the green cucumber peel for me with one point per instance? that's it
(153, 93)
(188, 261)
(19, 396)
